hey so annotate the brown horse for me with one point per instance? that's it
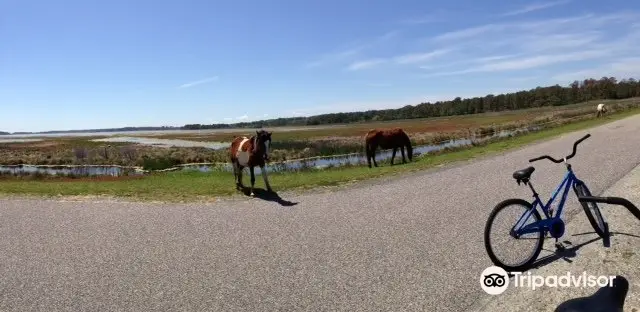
(387, 138)
(250, 152)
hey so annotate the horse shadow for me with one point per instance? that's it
(268, 196)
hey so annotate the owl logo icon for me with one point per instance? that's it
(494, 280)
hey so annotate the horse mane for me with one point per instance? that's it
(255, 143)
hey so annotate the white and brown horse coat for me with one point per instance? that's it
(250, 152)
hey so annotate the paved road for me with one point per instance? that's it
(413, 243)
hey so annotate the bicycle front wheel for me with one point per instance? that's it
(526, 248)
(591, 209)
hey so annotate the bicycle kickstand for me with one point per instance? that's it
(560, 246)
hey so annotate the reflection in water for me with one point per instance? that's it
(81, 171)
(317, 163)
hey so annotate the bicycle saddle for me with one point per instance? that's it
(606, 299)
(523, 175)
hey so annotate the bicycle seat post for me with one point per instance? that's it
(535, 194)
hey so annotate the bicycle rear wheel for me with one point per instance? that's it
(517, 207)
(591, 209)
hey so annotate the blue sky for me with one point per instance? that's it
(72, 64)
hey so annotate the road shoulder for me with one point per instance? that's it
(620, 258)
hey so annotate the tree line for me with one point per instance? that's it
(556, 95)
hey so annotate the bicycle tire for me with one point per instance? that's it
(581, 189)
(487, 230)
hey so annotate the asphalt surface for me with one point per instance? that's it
(586, 253)
(413, 243)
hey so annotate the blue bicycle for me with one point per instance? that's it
(552, 224)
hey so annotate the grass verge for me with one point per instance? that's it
(195, 186)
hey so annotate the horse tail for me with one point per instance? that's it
(368, 144)
(407, 144)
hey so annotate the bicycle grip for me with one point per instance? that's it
(584, 138)
(536, 159)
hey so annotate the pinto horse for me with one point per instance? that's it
(250, 152)
(600, 110)
(385, 139)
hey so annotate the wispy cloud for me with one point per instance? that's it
(420, 57)
(468, 32)
(528, 62)
(525, 26)
(198, 82)
(409, 58)
(243, 117)
(623, 68)
(352, 50)
(522, 46)
(359, 65)
(334, 57)
(536, 7)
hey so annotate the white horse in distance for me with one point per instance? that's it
(600, 110)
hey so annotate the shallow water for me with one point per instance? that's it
(17, 140)
(166, 142)
(382, 157)
(113, 171)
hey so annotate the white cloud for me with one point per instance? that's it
(353, 50)
(526, 62)
(401, 59)
(420, 57)
(541, 60)
(243, 117)
(468, 32)
(624, 68)
(526, 45)
(198, 82)
(536, 7)
(359, 65)
(334, 57)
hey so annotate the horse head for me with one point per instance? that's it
(262, 143)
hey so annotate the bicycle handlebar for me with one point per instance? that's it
(575, 146)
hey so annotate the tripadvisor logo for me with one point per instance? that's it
(495, 280)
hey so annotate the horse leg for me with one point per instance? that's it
(240, 177)
(373, 156)
(263, 170)
(235, 174)
(404, 161)
(253, 180)
(393, 154)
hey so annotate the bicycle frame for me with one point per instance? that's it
(545, 224)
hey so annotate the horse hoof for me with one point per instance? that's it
(252, 195)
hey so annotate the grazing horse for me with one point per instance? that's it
(250, 152)
(385, 139)
(601, 110)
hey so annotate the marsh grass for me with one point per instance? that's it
(289, 145)
(192, 185)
